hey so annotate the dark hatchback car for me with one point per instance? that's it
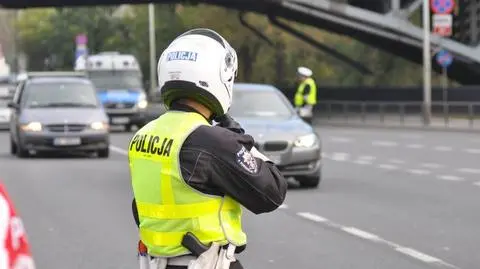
(57, 112)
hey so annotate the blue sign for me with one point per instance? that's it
(80, 52)
(444, 58)
(442, 6)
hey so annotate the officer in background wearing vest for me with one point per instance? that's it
(306, 95)
(189, 175)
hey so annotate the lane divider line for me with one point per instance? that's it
(312, 217)
(450, 178)
(419, 171)
(388, 166)
(118, 150)
(412, 253)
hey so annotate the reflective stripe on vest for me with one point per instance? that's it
(167, 206)
(312, 96)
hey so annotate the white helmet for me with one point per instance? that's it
(304, 71)
(200, 65)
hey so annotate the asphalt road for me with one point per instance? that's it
(389, 199)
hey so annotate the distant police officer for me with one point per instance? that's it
(190, 176)
(306, 95)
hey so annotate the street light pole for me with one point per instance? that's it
(151, 32)
(427, 64)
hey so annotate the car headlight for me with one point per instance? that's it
(306, 141)
(142, 104)
(142, 101)
(98, 125)
(32, 127)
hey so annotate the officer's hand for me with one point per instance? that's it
(226, 121)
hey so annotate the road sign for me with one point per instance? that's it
(444, 58)
(80, 52)
(442, 6)
(442, 24)
(81, 39)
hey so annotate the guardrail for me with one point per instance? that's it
(444, 114)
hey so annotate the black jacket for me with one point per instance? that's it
(210, 164)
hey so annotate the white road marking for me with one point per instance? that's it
(341, 139)
(431, 165)
(283, 206)
(361, 233)
(477, 183)
(415, 146)
(384, 143)
(367, 157)
(442, 148)
(312, 217)
(118, 150)
(412, 253)
(340, 156)
(469, 170)
(396, 161)
(450, 178)
(417, 255)
(388, 166)
(473, 151)
(362, 162)
(419, 171)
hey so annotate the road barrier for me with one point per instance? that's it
(445, 115)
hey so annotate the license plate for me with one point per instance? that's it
(276, 159)
(120, 120)
(67, 141)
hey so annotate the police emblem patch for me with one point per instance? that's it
(246, 160)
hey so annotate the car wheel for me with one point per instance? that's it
(13, 147)
(309, 181)
(22, 153)
(103, 153)
(129, 127)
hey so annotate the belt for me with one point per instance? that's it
(181, 260)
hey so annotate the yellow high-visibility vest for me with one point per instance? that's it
(167, 206)
(312, 95)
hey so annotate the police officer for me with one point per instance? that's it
(306, 95)
(188, 175)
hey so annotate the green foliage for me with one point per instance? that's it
(50, 33)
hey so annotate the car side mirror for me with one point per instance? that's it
(13, 105)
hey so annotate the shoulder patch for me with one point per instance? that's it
(246, 160)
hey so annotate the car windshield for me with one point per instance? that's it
(59, 94)
(111, 80)
(253, 103)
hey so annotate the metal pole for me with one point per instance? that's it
(151, 31)
(15, 42)
(427, 64)
(445, 84)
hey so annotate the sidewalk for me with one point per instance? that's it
(395, 121)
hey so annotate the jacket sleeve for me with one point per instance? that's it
(224, 161)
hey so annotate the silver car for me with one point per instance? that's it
(58, 114)
(4, 113)
(266, 114)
